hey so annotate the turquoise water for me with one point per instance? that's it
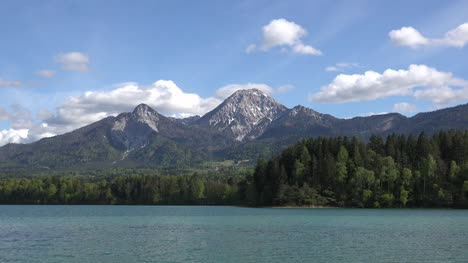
(230, 234)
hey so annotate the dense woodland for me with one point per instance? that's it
(398, 171)
(123, 189)
(402, 171)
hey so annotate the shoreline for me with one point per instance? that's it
(301, 207)
(240, 206)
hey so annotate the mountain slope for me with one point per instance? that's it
(432, 122)
(243, 116)
(140, 138)
(85, 145)
(246, 125)
(301, 121)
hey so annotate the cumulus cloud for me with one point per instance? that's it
(46, 73)
(12, 136)
(283, 33)
(10, 83)
(409, 36)
(306, 50)
(373, 85)
(21, 123)
(404, 107)
(73, 61)
(443, 95)
(457, 37)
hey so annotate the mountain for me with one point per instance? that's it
(364, 127)
(131, 131)
(142, 138)
(248, 124)
(244, 115)
(301, 121)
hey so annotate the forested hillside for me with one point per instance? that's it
(401, 171)
(130, 189)
(398, 171)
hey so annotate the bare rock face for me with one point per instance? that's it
(245, 114)
(133, 130)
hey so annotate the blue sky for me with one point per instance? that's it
(117, 51)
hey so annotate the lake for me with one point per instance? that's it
(230, 234)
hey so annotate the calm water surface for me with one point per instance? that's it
(230, 234)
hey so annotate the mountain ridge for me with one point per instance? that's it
(247, 125)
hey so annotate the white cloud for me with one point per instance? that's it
(372, 85)
(10, 83)
(13, 136)
(228, 90)
(73, 61)
(46, 73)
(24, 128)
(280, 32)
(457, 37)
(283, 33)
(307, 50)
(408, 36)
(442, 95)
(404, 107)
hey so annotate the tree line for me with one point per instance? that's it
(400, 171)
(123, 189)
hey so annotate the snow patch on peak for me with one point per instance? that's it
(246, 114)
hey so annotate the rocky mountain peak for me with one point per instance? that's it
(145, 114)
(248, 92)
(132, 130)
(245, 114)
(142, 110)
